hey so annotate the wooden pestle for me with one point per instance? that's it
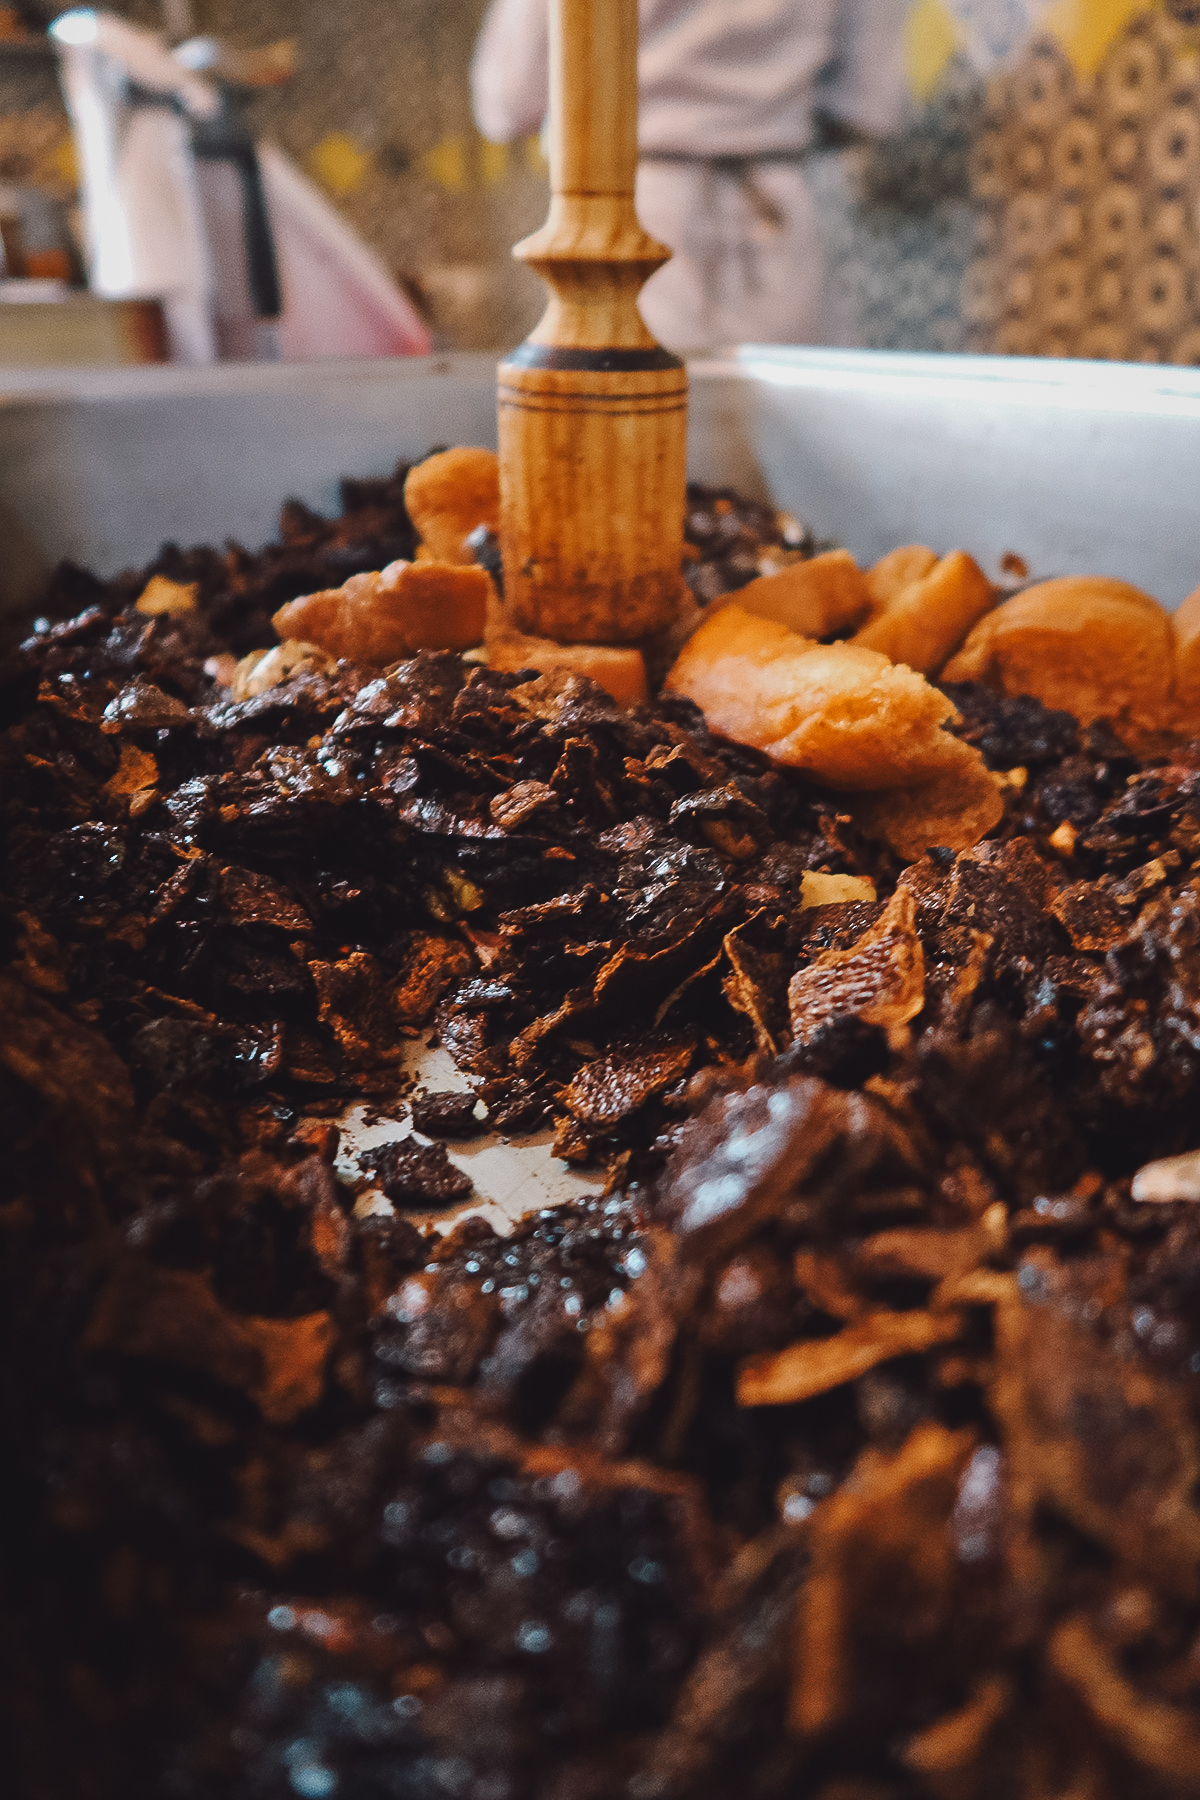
(592, 411)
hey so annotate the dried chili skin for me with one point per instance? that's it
(848, 1447)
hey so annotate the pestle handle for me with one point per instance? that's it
(593, 97)
(591, 252)
(592, 411)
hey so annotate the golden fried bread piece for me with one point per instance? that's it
(379, 618)
(816, 598)
(1091, 645)
(958, 807)
(897, 570)
(924, 623)
(618, 668)
(162, 596)
(1186, 623)
(848, 715)
(833, 890)
(263, 669)
(448, 495)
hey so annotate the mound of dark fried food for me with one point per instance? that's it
(846, 1447)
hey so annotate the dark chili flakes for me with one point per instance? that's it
(446, 1115)
(416, 1175)
(846, 1446)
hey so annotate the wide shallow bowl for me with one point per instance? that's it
(1073, 466)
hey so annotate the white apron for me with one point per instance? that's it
(729, 90)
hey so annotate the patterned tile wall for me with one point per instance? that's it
(1048, 179)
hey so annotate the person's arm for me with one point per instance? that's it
(510, 78)
(865, 94)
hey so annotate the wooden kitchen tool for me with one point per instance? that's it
(593, 412)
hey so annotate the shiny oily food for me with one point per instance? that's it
(1087, 644)
(856, 712)
(884, 1307)
(448, 495)
(379, 618)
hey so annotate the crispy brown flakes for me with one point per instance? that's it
(739, 1159)
(522, 802)
(881, 980)
(446, 1115)
(438, 1327)
(1099, 1438)
(957, 962)
(72, 1070)
(137, 770)
(1097, 914)
(144, 707)
(294, 1353)
(1157, 1737)
(253, 899)
(329, 1231)
(352, 1000)
(431, 965)
(819, 1364)
(608, 1089)
(946, 1750)
(1089, 915)
(1142, 1026)
(629, 1349)
(920, 1251)
(822, 1277)
(754, 987)
(880, 1536)
(41, 962)
(413, 1174)
(173, 1316)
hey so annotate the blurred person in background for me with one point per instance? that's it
(735, 97)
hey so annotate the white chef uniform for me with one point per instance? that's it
(729, 92)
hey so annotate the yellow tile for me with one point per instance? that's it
(931, 36)
(63, 162)
(339, 162)
(446, 164)
(493, 162)
(1087, 29)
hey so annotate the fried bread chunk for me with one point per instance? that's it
(1186, 624)
(378, 618)
(618, 668)
(924, 622)
(954, 810)
(1087, 644)
(889, 577)
(847, 714)
(816, 598)
(263, 669)
(448, 495)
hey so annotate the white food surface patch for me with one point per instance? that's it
(512, 1176)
